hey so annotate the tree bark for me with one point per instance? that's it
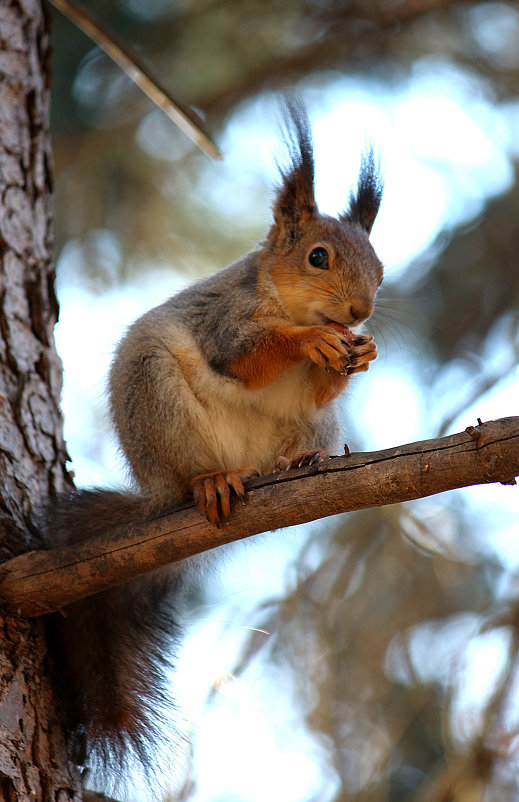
(33, 763)
(41, 582)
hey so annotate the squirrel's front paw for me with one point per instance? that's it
(328, 348)
(361, 353)
(212, 491)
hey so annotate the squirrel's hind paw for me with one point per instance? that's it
(212, 491)
(299, 459)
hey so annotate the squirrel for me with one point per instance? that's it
(234, 376)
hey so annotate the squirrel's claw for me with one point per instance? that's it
(361, 354)
(212, 491)
(204, 495)
(224, 493)
(281, 464)
(299, 459)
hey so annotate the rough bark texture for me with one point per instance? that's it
(39, 582)
(32, 454)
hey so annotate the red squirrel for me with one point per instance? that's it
(234, 376)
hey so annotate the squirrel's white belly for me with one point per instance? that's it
(254, 427)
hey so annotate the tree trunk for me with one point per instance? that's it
(33, 763)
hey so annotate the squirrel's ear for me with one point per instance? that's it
(295, 200)
(365, 201)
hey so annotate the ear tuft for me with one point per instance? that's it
(295, 199)
(365, 201)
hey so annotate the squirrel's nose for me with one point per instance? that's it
(361, 309)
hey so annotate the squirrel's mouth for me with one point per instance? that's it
(334, 324)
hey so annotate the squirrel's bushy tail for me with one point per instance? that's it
(111, 653)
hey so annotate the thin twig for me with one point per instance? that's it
(483, 385)
(185, 118)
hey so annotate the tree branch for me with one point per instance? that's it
(39, 582)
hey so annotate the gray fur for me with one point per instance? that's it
(219, 311)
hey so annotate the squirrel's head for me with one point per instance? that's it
(324, 268)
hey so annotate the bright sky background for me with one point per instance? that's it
(445, 149)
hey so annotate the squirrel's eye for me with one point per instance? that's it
(319, 258)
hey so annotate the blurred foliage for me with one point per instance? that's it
(213, 55)
(377, 638)
(378, 635)
(482, 257)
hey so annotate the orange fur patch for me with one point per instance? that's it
(297, 297)
(327, 386)
(281, 349)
